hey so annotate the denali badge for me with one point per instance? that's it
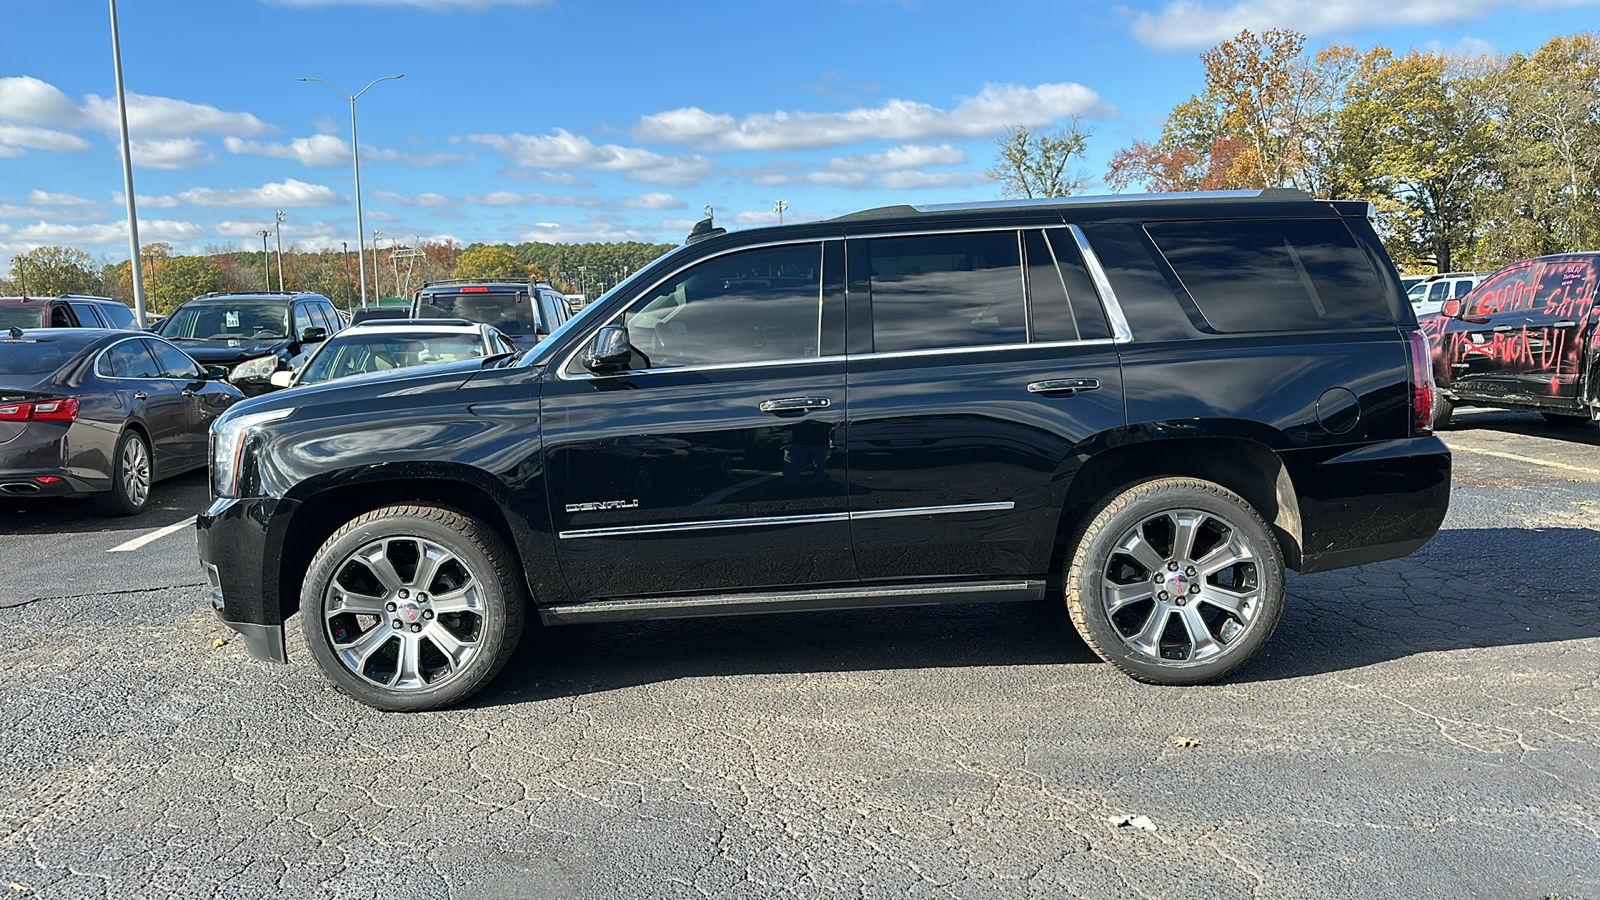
(602, 504)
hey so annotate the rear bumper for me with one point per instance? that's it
(57, 482)
(1381, 501)
(239, 551)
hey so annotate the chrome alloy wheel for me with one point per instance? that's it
(1182, 586)
(135, 471)
(404, 613)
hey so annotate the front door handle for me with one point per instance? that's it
(141, 395)
(1564, 323)
(1503, 328)
(1064, 386)
(795, 404)
(188, 392)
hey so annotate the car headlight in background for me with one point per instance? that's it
(229, 436)
(260, 367)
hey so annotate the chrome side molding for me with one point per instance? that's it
(759, 521)
(741, 604)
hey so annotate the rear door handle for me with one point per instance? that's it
(188, 392)
(141, 395)
(795, 404)
(1502, 328)
(1564, 323)
(1064, 386)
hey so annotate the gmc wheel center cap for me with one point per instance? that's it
(409, 610)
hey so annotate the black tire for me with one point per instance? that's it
(483, 621)
(1565, 421)
(1104, 572)
(1443, 409)
(132, 475)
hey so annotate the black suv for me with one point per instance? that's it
(1146, 407)
(253, 335)
(524, 311)
(65, 311)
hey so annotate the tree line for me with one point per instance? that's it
(170, 279)
(1471, 162)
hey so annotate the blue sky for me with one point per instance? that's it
(562, 120)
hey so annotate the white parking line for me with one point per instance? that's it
(1529, 459)
(156, 535)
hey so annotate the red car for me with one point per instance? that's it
(1525, 338)
(65, 311)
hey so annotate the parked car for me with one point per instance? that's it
(254, 334)
(383, 346)
(524, 311)
(65, 311)
(103, 413)
(1429, 296)
(1524, 339)
(1145, 408)
(369, 313)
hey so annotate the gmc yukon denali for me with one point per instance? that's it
(1145, 408)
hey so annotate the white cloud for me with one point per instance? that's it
(511, 198)
(144, 202)
(565, 179)
(292, 230)
(897, 180)
(170, 153)
(909, 156)
(49, 198)
(287, 193)
(912, 180)
(10, 152)
(167, 117)
(1469, 47)
(594, 230)
(1192, 24)
(653, 200)
(433, 201)
(34, 102)
(37, 138)
(94, 235)
(565, 150)
(317, 150)
(414, 159)
(995, 108)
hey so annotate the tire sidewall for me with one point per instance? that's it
(384, 523)
(1154, 497)
(116, 501)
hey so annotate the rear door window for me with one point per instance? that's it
(61, 317)
(1439, 291)
(128, 359)
(88, 317)
(946, 290)
(1274, 274)
(1463, 288)
(172, 362)
(1062, 302)
(116, 315)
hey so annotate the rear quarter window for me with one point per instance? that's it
(1274, 274)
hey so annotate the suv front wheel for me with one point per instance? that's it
(412, 607)
(1176, 581)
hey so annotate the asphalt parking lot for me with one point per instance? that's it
(1423, 728)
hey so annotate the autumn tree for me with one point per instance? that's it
(49, 271)
(483, 261)
(1035, 164)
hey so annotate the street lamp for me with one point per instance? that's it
(779, 206)
(134, 269)
(355, 159)
(377, 275)
(278, 220)
(266, 272)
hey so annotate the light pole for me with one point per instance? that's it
(345, 246)
(355, 160)
(127, 175)
(277, 221)
(779, 206)
(266, 271)
(376, 270)
(583, 283)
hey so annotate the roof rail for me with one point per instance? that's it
(1174, 196)
(428, 284)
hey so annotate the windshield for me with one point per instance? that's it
(246, 320)
(511, 312)
(362, 353)
(36, 357)
(25, 315)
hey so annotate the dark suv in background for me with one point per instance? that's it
(65, 311)
(253, 335)
(1145, 408)
(524, 311)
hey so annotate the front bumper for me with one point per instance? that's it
(240, 551)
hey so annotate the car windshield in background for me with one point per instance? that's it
(34, 357)
(359, 354)
(511, 312)
(223, 321)
(24, 315)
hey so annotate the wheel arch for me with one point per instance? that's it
(1248, 468)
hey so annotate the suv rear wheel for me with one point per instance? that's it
(1176, 581)
(412, 607)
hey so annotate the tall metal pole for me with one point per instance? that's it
(780, 206)
(355, 163)
(376, 271)
(266, 271)
(136, 270)
(345, 247)
(277, 221)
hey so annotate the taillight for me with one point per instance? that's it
(40, 411)
(1421, 382)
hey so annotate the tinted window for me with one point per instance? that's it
(302, 319)
(116, 314)
(1463, 288)
(510, 311)
(1274, 275)
(946, 290)
(1439, 290)
(59, 317)
(27, 357)
(128, 359)
(744, 307)
(87, 317)
(24, 315)
(1062, 303)
(172, 362)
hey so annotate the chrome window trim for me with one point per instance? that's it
(561, 371)
(100, 357)
(709, 367)
(1120, 332)
(980, 348)
(762, 521)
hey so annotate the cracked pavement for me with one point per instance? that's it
(1428, 727)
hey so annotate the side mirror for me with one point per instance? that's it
(215, 373)
(610, 351)
(313, 335)
(282, 379)
(1451, 309)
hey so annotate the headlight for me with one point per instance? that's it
(229, 436)
(260, 367)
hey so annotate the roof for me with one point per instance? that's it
(255, 295)
(402, 326)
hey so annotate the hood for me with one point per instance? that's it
(223, 352)
(356, 388)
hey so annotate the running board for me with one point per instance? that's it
(937, 594)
